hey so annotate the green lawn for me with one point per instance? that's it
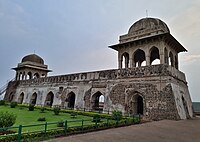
(26, 117)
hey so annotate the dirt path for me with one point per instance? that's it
(160, 131)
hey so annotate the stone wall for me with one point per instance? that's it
(156, 85)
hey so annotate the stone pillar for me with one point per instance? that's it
(147, 61)
(16, 77)
(119, 64)
(162, 59)
(147, 57)
(119, 60)
(126, 62)
(131, 62)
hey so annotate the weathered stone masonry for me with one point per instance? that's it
(153, 83)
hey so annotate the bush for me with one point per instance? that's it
(31, 107)
(96, 118)
(2, 102)
(13, 104)
(73, 114)
(60, 124)
(7, 119)
(41, 119)
(56, 110)
(117, 115)
(42, 109)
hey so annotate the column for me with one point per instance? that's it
(131, 62)
(162, 59)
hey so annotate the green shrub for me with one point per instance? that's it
(42, 109)
(73, 114)
(31, 107)
(7, 119)
(96, 118)
(60, 124)
(56, 110)
(41, 119)
(2, 102)
(13, 104)
(117, 115)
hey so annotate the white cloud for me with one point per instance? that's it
(191, 58)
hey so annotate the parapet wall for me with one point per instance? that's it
(137, 72)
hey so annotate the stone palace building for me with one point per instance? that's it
(147, 82)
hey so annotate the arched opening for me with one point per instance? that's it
(166, 56)
(49, 99)
(139, 105)
(171, 59)
(139, 58)
(70, 100)
(11, 97)
(136, 105)
(176, 62)
(29, 75)
(98, 101)
(36, 75)
(21, 98)
(125, 60)
(154, 54)
(185, 107)
(33, 99)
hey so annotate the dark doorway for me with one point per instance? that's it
(33, 99)
(49, 99)
(140, 105)
(21, 98)
(71, 100)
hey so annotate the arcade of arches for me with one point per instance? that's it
(146, 58)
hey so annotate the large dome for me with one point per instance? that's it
(148, 24)
(33, 58)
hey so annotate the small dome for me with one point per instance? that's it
(148, 24)
(33, 58)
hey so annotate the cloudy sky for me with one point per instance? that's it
(74, 35)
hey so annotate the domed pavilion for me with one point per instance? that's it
(148, 42)
(32, 66)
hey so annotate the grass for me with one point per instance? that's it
(26, 117)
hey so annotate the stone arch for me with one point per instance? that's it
(49, 99)
(11, 97)
(138, 57)
(171, 59)
(97, 101)
(21, 98)
(166, 56)
(33, 99)
(154, 56)
(125, 60)
(36, 75)
(135, 102)
(70, 100)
